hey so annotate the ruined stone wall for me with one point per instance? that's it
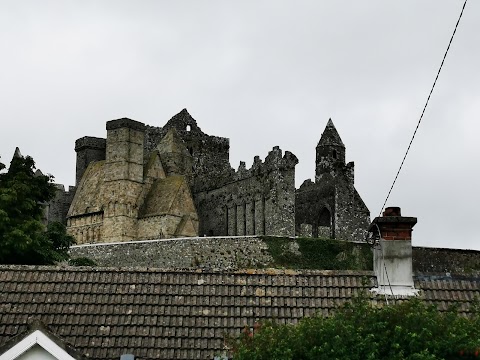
(56, 210)
(315, 210)
(352, 217)
(211, 166)
(331, 208)
(260, 200)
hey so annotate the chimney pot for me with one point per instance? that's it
(392, 211)
(393, 226)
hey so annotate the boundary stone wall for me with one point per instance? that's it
(242, 252)
(219, 253)
(437, 260)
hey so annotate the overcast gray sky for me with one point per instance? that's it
(262, 73)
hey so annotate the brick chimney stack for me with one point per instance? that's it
(393, 253)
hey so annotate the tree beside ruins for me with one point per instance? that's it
(24, 239)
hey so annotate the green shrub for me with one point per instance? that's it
(358, 331)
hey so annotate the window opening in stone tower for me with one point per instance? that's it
(189, 128)
(335, 154)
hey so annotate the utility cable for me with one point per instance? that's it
(424, 108)
(410, 144)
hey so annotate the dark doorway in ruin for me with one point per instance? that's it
(322, 227)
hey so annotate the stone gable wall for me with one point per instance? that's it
(352, 216)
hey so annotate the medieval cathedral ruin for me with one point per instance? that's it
(145, 182)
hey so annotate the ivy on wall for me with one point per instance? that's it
(324, 254)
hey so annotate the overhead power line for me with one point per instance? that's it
(424, 108)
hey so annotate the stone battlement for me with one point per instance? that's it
(125, 123)
(90, 142)
(273, 162)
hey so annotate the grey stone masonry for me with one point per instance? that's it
(242, 252)
(211, 165)
(88, 149)
(125, 123)
(331, 205)
(56, 210)
(261, 200)
(221, 253)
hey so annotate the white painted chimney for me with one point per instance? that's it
(392, 257)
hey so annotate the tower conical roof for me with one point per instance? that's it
(330, 136)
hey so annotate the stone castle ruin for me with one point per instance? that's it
(331, 206)
(145, 182)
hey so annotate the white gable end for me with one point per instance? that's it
(37, 345)
(36, 352)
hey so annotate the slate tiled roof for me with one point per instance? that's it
(162, 314)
